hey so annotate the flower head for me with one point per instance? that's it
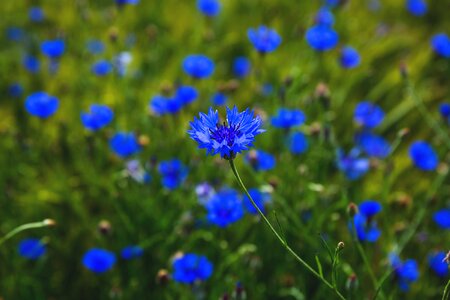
(53, 48)
(241, 66)
(321, 37)
(132, 251)
(287, 118)
(264, 39)
(124, 144)
(219, 99)
(442, 218)
(204, 192)
(298, 143)
(95, 46)
(368, 114)
(15, 90)
(190, 267)
(173, 173)
(198, 66)
(444, 110)
(209, 8)
(99, 260)
(224, 208)
(229, 138)
(441, 44)
(102, 68)
(406, 272)
(416, 7)
(99, 116)
(373, 145)
(260, 160)
(437, 263)
(369, 208)
(349, 58)
(324, 17)
(363, 222)
(186, 94)
(41, 104)
(31, 248)
(352, 165)
(423, 156)
(36, 14)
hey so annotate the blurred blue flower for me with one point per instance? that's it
(423, 156)
(298, 143)
(132, 251)
(227, 139)
(14, 34)
(350, 58)
(102, 68)
(189, 268)
(15, 90)
(124, 144)
(369, 208)
(219, 99)
(364, 225)
(373, 145)
(260, 160)
(441, 44)
(266, 89)
(321, 38)
(368, 114)
(99, 260)
(437, 263)
(173, 173)
(53, 49)
(137, 172)
(204, 192)
(209, 8)
(442, 218)
(31, 64)
(416, 7)
(95, 47)
(406, 272)
(121, 62)
(123, 2)
(186, 94)
(324, 17)
(264, 39)
(352, 165)
(41, 104)
(444, 110)
(31, 248)
(36, 14)
(241, 67)
(198, 66)
(260, 199)
(224, 208)
(99, 116)
(287, 118)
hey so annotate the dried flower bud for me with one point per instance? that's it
(143, 140)
(340, 245)
(162, 277)
(352, 209)
(104, 227)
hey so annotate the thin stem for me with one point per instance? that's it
(446, 295)
(278, 236)
(24, 227)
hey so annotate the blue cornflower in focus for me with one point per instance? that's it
(321, 37)
(198, 66)
(99, 260)
(186, 94)
(219, 99)
(95, 47)
(131, 252)
(363, 223)
(416, 7)
(224, 208)
(209, 8)
(241, 67)
(99, 116)
(406, 272)
(15, 90)
(14, 33)
(173, 173)
(260, 160)
(229, 138)
(423, 156)
(368, 114)
(442, 218)
(124, 144)
(53, 49)
(352, 165)
(190, 268)
(287, 118)
(324, 17)
(349, 58)
(31, 64)
(264, 39)
(437, 263)
(41, 104)
(260, 199)
(441, 44)
(31, 248)
(36, 14)
(298, 143)
(373, 145)
(102, 68)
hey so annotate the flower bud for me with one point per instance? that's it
(162, 277)
(49, 222)
(340, 245)
(352, 209)
(104, 227)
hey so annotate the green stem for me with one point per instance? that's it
(446, 295)
(24, 227)
(278, 236)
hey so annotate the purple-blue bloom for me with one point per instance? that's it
(437, 264)
(321, 37)
(363, 222)
(198, 66)
(41, 104)
(259, 198)
(417, 7)
(123, 2)
(219, 99)
(224, 208)
(352, 165)
(98, 260)
(260, 160)
(14, 34)
(368, 114)
(287, 118)
(36, 14)
(444, 110)
(209, 8)
(349, 58)
(369, 208)
(124, 144)
(102, 68)
(31, 64)
(53, 49)
(241, 67)
(324, 17)
(298, 143)
(373, 145)
(190, 268)
(95, 47)
(186, 94)
(406, 272)
(173, 173)
(15, 90)
(264, 39)
(99, 116)
(441, 44)
(31, 248)
(423, 156)
(204, 192)
(442, 218)
(132, 251)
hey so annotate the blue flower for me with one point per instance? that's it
(219, 99)
(287, 118)
(121, 62)
(14, 34)
(264, 39)
(298, 143)
(137, 172)
(416, 7)
(123, 2)
(437, 263)
(423, 156)
(352, 165)
(259, 198)
(368, 114)
(230, 138)
(444, 110)
(98, 117)
(99, 260)
(209, 8)
(260, 160)
(442, 218)
(441, 44)
(224, 208)
(204, 192)
(36, 14)
(124, 144)
(364, 225)
(190, 268)
(31, 64)
(241, 67)
(349, 58)
(53, 48)
(31, 248)
(102, 68)
(373, 145)
(324, 17)
(131, 252)
(369, 208)
(95, 47)
(198, 66)
(322, 38)
(186, 94)
(41, 104)
(173, 173)
(15, 90)
(406, 272)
